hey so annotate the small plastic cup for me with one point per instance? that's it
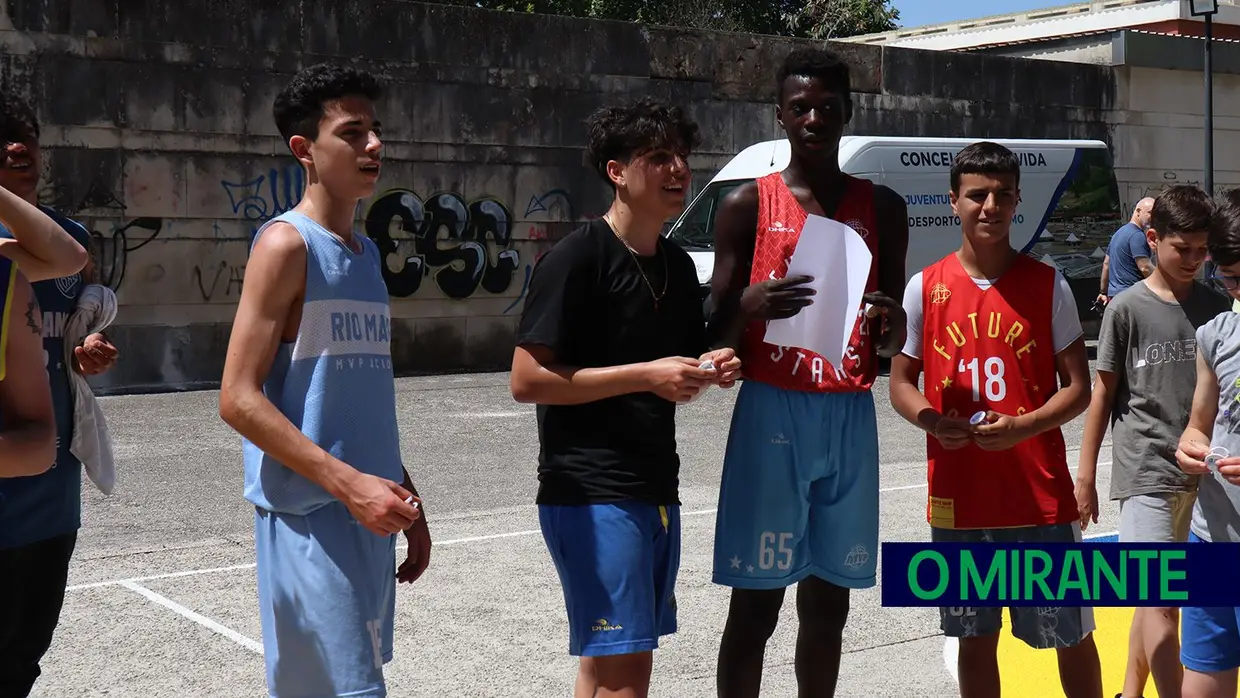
(707, 365)
(978, 418)
(1215, 455)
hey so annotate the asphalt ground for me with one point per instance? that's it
(162, 597)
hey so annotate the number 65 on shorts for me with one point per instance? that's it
(799, 495)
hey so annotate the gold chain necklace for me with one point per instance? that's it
(659, 296)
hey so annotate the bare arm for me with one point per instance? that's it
(906, 398)
(892, 219)
(539, 379)
(736, 225)
(40, 247)
(1096, 420)
(28, 438)
(1105, 280)
(1200, 429)
(1145, 266)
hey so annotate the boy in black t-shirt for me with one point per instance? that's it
(605, 347)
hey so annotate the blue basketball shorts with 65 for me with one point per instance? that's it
(799, 495)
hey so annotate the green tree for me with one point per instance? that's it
(831, 19)
(816, 19)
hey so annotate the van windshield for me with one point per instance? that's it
(1079, 229)
(696, 231)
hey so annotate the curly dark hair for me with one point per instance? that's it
(299, 106)
(624, 132)
(1223, 242)
(1182, 208)
(18, 123)
(824, 65)
(984, 158)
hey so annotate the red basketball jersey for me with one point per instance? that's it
(993, 349)
(780, 219)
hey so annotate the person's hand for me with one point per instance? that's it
(952, 432)
(890, 342)
(1190, 456)
(379, 505)
(1229, 468)
(95, 356)
(678, 378)
(999, 432)
(1087, 503)
(776, 299)
(727, 366)
(418, 556)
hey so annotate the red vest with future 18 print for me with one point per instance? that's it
(780, 219)
(993, 349)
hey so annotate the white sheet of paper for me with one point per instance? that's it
(838, 259)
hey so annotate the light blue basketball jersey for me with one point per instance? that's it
(335, 381)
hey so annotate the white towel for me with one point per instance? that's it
(96, 309)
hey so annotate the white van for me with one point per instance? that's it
(1069, 208)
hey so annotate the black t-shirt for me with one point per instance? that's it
(590, 305)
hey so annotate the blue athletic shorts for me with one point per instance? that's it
(1209, 637)
(617, 564)
(800, 490)
(326, 597)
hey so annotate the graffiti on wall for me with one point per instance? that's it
(111, 251)
(219, 280)
(466, 246)
(1172, 178)
(266, 196)
(550, 216)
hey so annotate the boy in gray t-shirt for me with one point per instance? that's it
(1210, 637)
(1147, 353)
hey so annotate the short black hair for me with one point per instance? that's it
(824, 65)
(298, 108)
(1223, 243)
(18, 123)
(627, 131)
(984, 157)
(1183, 208)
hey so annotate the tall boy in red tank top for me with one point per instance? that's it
(799, 498)
(997, 334)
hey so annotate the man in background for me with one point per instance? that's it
(1128, 256)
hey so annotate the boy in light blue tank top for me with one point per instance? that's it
(308, 383)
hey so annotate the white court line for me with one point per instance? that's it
(491, 415)
(454, 541)
(199, 619)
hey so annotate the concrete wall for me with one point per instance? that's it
(163, 110)
(1159, 133)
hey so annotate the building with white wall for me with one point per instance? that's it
(1157, 53)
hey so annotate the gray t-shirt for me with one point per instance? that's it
(1216, 515)
(1151, 345)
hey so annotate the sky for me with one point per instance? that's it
(914, 13)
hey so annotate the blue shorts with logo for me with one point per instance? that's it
(1209, 637)
(617, 564)
(327, 598)
(799, 496)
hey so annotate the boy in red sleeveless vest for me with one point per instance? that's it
(996, 333)
(799, 498)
